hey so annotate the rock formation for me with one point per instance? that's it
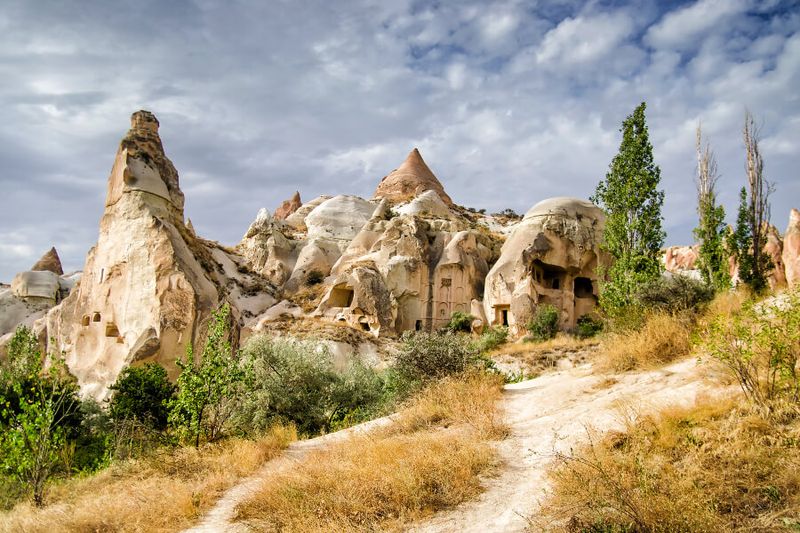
(409, 180)
(681, 258)
(288, 207)
(49, 261)
(550, 257)
(791, 249)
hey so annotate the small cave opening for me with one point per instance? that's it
(96, 317)
(501, 315)
(85, 320)
(549, 276)
(112, 330)
(341, 296)
(364, 326)
(583, 288)
(418, 325)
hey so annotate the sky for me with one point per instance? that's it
(509, 102)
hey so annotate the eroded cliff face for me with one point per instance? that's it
(550, 257)
(147, 284)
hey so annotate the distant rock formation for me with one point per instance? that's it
(49, 261)
(288, 207)
(550, 257)
(409, 180)
(681, 258)
(791, 249)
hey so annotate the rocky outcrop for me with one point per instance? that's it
(791, 249)
(773, 248)
(149, 284)
(288, 207)
(409, 180)
(50, 262)
(550, 257)
(678, 259)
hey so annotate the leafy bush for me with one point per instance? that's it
(492, 337)
(429, 356)
(674, 293)
(460, 321)
(544, 324)
(294, 381)
(588, 326)
(760, 345)
(315, 277)
(142, 393)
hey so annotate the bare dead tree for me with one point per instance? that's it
(706, 170)
(758, 202)
(711, 229)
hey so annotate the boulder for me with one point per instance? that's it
(42, 284)
(409, 180)
(791, 249)
(49, 261)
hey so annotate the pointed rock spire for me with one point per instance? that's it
(791, 249)
(409, 180)
(49, 261)
(288, 207)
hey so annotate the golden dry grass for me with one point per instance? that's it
(534, 358)
(165, 492)
(663, 338)
(431, 459)
(711, 467)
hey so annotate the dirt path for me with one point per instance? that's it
(218, 519)
(546, 415)
(551, 414)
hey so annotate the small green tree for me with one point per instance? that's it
(460, 322)
(37, 407)
(143, 394)
(711, 229)
(544, 324)
(630, 197)
(208, 388)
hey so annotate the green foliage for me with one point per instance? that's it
(544, 324)
(588, 326)
(492, 337)
(295, 382)
(711, 233)
(142, 393)
(460, 321)
(674, 293)
(208, 388)
(315, 277)
(740, 244)
(760, 345)
(630, 197)
(39, 410)
(424, 357)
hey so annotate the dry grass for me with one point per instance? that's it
(711, 467)
(534, 358)
(430, 460)
(166, 492)
(663, 338)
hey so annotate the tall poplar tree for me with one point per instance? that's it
(632, 202)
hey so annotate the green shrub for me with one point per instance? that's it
(315, 277)
(492, 337)
(588, 326)
(674, 293)
(142, 393)
(295, 381)
(544, 324)
(460, 322)
(429, 356)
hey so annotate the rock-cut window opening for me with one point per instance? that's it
(96, 317)
(112, 330)
(501, 315)
(85, 320)
(341, 296)
(583, 288)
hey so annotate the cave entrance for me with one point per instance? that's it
(583, 288)
(550, 276)
(341, 296)
(501, 314)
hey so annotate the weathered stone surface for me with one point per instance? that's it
(297, 220)
(288, 207)
(267, 250)
(681, 258)
(427, 204)
(340, 218)
(49, 261)
(791, 249)
(42, 284)
(409, 180)
(773, 248)
(550, 257)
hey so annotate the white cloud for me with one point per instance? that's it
(680, 28)
(582, 39)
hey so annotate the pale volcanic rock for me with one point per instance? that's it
(340, 217)
(267, 250)
(36, 284)
(773, 248)
(551, 257)
(49, 261)
(297, 220)
(288, 207)
(409, 180)
(791, 249)
(681, 258)
(147, 287)
(426, 204)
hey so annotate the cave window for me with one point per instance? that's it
(552, 275)
(85, 320)
(96, 317)
(102, 275)
(505, 317)
(364, 326)
(341, 296)
(501, 315)
(112, 330)
(446, 282)
(583, 288)
(418, 325)
(556, 283)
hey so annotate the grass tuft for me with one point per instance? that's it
(663, 338)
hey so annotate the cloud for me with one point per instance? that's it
(681, 28)
(582, 40)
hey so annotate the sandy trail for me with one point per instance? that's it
(546, 415)
(551, 414)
